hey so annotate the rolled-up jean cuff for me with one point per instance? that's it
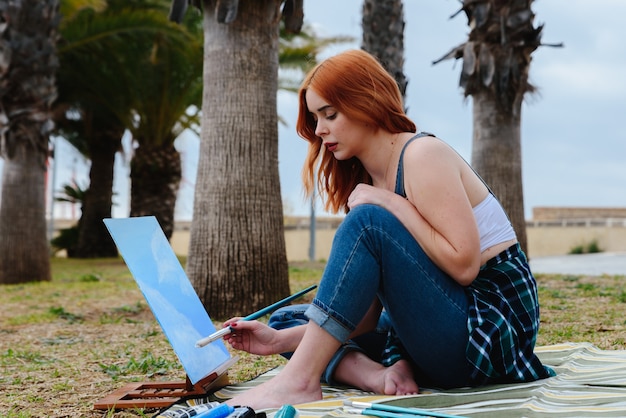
(346, 348)
(328, 323)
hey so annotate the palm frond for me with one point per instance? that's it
(69, 8)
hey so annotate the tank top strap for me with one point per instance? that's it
(400, 174)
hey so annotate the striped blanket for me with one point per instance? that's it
(590, 383)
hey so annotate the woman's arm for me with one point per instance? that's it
(437, 211)
(445, 226)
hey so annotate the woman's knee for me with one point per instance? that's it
(288, 316)
(368, 215)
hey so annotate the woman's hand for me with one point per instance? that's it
(252, 336)
(364, 193)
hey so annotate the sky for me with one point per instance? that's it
(573, 131)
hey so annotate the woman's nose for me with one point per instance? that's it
(320, 130)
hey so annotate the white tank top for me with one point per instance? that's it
(494, 226)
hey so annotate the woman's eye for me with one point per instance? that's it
(331, 116)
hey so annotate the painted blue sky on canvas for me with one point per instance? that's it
(169, 293)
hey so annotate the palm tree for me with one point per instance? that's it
(28, 32)
(101, 52)
(167, 100)
(383, 36)
(496, 62)
(237, 260)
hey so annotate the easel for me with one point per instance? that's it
(158, 394)
(180, 313)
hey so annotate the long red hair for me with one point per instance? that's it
(357, 85)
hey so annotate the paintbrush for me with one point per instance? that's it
(390, 411)
(258, 314)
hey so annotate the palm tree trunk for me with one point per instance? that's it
(28, 35)
(24, 250)
(237, 260)
(497, 156)
(155, 177)
(94, 240)
(383, 36)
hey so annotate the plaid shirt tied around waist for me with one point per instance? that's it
(503, 322)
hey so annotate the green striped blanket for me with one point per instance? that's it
(590, 383)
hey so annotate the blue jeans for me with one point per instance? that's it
(371, 344)
(374, 255)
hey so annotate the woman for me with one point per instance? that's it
(424, 238)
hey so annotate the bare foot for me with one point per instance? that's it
(398, 379)
(277, 392)
(358, 370)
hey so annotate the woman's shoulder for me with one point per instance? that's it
(429, 150)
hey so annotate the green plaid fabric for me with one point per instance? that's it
(393, 351)
(503, 322)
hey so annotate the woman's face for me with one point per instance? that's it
(340, 135)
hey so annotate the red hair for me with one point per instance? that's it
(355, 84)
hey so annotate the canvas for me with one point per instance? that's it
(170, 295)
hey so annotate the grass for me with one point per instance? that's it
(67, 343)
(581, 308)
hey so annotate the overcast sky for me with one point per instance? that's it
(573, 132)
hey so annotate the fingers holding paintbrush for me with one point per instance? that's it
(253, 337)
(256, 315)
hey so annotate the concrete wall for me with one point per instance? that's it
(296, 242)
(556, 230)
(554, 213)
(547, 240)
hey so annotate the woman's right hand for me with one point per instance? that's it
(252, 336)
